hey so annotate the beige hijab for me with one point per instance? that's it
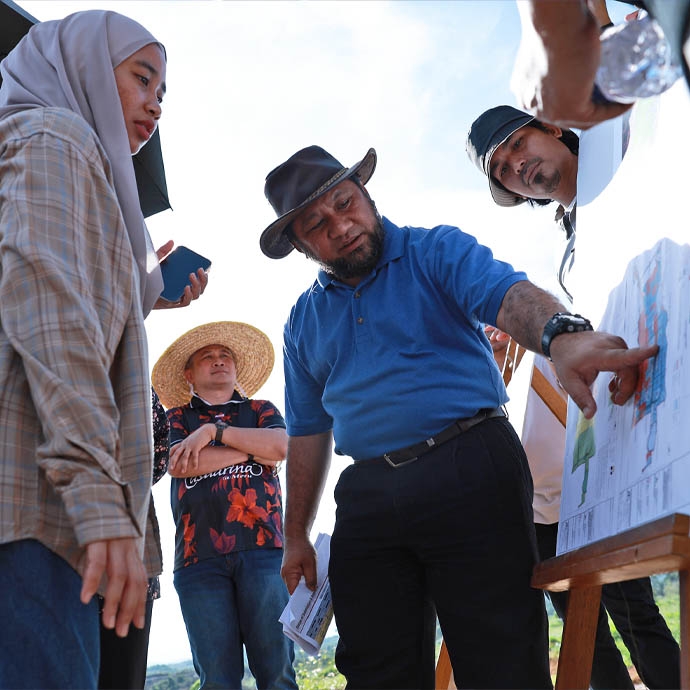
(69, 63)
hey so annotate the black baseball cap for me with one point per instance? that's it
(486, 134)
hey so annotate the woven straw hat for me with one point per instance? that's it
(252, 350)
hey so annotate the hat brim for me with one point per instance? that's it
(501, 195)
(251, 348)
(274, 244)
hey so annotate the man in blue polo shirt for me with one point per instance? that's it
(385, 353)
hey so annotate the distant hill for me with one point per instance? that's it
(171, 676)
(313, 673)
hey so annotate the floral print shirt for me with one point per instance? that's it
(236, 508)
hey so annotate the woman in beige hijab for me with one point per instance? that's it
(77, 275)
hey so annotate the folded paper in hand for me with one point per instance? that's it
(308, 614)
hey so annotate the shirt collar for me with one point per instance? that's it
(198, 401)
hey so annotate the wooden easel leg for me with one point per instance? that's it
(444, 669)
(684, 591)
(577, 644)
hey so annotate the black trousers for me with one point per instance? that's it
(452, 533)
(631, 606)
(123, 659)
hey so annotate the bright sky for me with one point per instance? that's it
(250, 83)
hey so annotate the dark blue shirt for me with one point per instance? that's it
(402, 355)
(234, 509)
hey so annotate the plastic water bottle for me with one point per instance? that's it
(636, 61)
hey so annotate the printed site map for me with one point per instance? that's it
(631, 464)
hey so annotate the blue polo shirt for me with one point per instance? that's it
(402, 355)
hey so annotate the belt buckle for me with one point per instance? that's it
(395, 465)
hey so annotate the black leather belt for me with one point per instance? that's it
(404, 456)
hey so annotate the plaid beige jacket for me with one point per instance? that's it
(75, 411)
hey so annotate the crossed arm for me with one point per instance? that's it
(193, 455)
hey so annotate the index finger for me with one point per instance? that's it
(632, 357)
(291, 581)
(626, 378)
(93, 571)
(292, 573)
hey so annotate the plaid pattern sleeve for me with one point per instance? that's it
(75, 410)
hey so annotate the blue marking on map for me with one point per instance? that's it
(651, 390)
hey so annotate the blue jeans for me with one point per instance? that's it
(50, 639)
(235, 600)
(453, 532)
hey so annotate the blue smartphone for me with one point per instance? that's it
(176, 268)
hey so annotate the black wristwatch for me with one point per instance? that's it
(220, 427)
(562, 323)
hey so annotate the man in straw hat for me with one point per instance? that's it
(386, 354)
(226, 502)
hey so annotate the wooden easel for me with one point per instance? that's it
(656, 547)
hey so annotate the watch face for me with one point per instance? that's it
(562, 323)
(575, 320)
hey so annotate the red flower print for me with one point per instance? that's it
(188, 536)
(243, 508)
(275, 518)
(222, 543)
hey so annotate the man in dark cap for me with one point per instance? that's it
(385, 354)
(526, 160)
(523, 158)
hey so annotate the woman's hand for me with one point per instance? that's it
(196, 287)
